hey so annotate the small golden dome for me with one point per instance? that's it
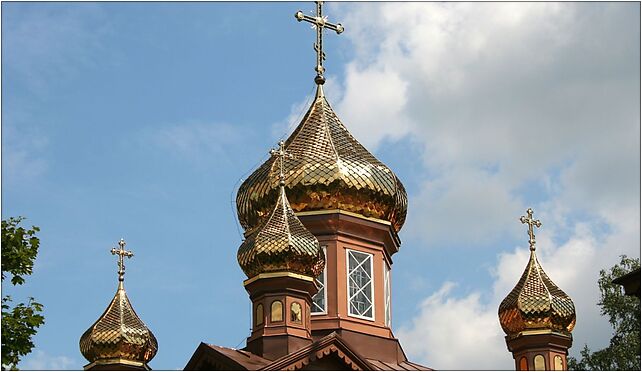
(536, 302)
(119, 334)
(329, 169)
(281, 243)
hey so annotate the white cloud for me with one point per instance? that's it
(480, 202)
(452, 331)
(455, 333)
(40, 360)
(512, 105)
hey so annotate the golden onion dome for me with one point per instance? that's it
(329, 170)
(119, 336)
(536, 303)
(281, 243)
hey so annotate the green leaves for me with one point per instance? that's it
(20, 322)
(19, 325)
(623, 352)
(19, 250)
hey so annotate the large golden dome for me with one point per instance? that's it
(329, 169)
(281, 243)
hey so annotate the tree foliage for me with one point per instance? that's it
(20, 322)
(623, 352)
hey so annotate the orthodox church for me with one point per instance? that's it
(321, 219)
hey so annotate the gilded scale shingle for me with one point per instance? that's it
(536, 303)
(119, 334)
(329, 169)
(281, 243)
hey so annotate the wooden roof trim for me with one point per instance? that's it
(327, 345)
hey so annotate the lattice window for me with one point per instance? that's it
(319, 299)
(387, 292)
(360, 285)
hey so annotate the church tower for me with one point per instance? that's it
(118, 340)
(352, 203)
(321, 219)
(281, 258)
(537, 316)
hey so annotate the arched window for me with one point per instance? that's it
(559, 364)
(523, 364)
(539, 362)
(276, 313)
(296, 312)
(258, 320)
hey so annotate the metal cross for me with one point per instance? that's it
(531, 222)
(319, 22)
(281, 154)
(122, 253)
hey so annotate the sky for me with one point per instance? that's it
(140, 120)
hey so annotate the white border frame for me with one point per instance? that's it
(387, 289)
(372, 289)
(325, 286)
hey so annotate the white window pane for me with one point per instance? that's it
(318, 300)
(360, 284)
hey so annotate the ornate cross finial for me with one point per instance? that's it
(281, 154)
(531, 222)
(319, 22)
(122, 253)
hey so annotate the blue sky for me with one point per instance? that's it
(138, 120)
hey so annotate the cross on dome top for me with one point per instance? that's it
(122, 253)
(319, 23)
(281, 153)
(531, 222)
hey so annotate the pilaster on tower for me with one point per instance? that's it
(537, 316)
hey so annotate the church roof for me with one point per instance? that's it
(329, 169)
(119, 336)
(331, 346)
(536, 303)
(281, 243)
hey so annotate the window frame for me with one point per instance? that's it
(272, 320)
(325, 287)
(387, 295)
(372, 288)
(297, 304)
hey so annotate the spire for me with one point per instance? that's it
(119, 339)
(537, 312)
(281, 243)
(319, 22)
